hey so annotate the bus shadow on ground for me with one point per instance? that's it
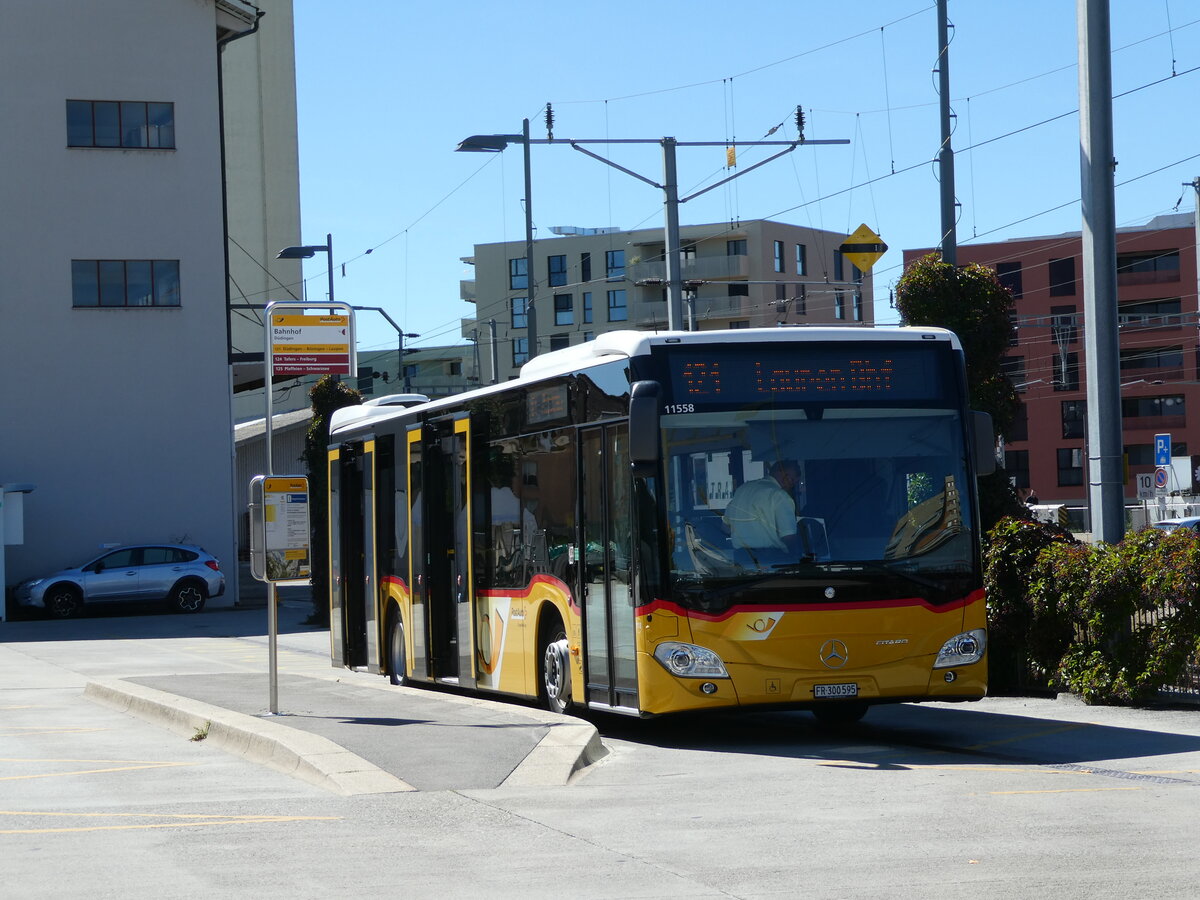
(892, 736)
(125, 621)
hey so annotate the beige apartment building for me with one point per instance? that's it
(590, 280)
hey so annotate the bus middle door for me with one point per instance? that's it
(605, 568)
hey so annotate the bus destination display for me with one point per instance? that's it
(894, 373)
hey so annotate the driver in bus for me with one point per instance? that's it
(761, 515)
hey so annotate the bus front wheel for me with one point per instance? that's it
(843, 713)
(397, 655)
(556, 670)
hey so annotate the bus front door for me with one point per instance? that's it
(352, 556)
(605, 568)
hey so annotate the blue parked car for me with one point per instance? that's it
(181, 574)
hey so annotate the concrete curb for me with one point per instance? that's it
(569, 747)
(299, 754)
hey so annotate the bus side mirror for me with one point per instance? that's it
(985, 443)
(643, 422)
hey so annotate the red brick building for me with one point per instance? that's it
(1159, 355)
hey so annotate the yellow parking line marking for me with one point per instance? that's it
(1025, 737)
(172, 821)
(132, 765)
(1070, 791)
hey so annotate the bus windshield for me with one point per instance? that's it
(871, 500)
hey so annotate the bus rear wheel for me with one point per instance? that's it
(397, 655)
(556, 670)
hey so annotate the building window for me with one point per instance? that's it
(454, 367)
(1147, 268)
(1066, 372)
(585, 266)
(1013, 337)
(589, 336)
(779, 256)
(617, 310)
(1062, 277)
(738, 289)
(125, 124)
(802, 300)
(1153, 407)
(520, 351)
(520, 312)
(1009, 275)
(1063, 322)
(1016, 464)
(1019, 430)
(564, 309)
(124, 282)
(687, 254)
(839, 270)
(587, 307)
(557, 267)
(839, 304)
(1152, 358)
(801, 259)
(614, 264)
(1070, 466)
(1151, 314)
(858, 306)
(559, 341)
(735, 248)
(518, 274)
(366, 381)
(740, 323)
(1013, 367)
(1074, 418)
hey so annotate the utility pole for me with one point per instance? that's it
(1106, 488)
(949, 241)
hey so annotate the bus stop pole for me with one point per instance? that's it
(272, 611)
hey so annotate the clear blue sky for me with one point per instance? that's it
(387, 88)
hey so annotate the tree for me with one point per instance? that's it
(971, 302)
(327, 395)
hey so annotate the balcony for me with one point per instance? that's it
(705, 268)
(466, 290)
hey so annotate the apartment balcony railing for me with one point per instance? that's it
(705, 268)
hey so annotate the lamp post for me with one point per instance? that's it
(310, 250)
(494, 143)
(401, 334)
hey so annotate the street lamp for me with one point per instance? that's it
(494, 143)
(310, 250)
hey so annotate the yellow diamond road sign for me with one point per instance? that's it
(863, 248)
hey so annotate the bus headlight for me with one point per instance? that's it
(689, 661)
(962, 649)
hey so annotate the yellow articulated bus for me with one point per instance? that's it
(651, 523)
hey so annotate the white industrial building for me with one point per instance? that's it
(115, 340)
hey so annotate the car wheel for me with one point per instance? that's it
(397, 655)
(63, 601)
(840, 714)
(556, 670)
(189, 597)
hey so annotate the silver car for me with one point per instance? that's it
(1192, 523)
(182, 574)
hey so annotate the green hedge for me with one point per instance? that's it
(1114, 623)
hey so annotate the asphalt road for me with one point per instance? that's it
(1005, 798)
